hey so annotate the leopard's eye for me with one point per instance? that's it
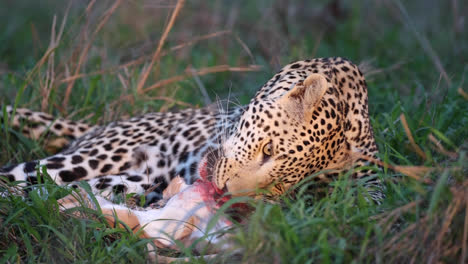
(268, 149)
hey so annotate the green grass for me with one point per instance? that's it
(410, 46)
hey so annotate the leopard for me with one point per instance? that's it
(310, 121)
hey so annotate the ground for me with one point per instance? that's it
(414, 56)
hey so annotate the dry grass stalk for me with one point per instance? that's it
(460, 193)
(415, 172)
(441, 247)
(156, 54)
(201, 86)
(198, 39)
(83, 75)
(465, 235)
(62, 111)
(450, 212)
(46, 87)
(415, 146)
(433, 237)
(143, 58)
(84, 52)
(462, 93)
(38, 65)
(123, 81)
(202, 71)
(171, 94)
(82, 110)
(393, 246)
(441, 149)
(90, 6)
(47, 57)
(245, 47)
(191, 42)
(170, 100)
(388, 218)
(50, 73)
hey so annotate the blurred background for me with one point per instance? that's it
(409, 46)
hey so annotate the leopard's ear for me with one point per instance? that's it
(305, 95)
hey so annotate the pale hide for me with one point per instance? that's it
(185, 216)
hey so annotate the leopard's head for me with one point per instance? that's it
(280, 141)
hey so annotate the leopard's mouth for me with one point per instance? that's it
(206, 169)
(207, 164)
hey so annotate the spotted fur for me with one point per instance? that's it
(311, 116)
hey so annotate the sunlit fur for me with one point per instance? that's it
(313, 112)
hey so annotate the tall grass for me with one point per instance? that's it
(112, 59)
